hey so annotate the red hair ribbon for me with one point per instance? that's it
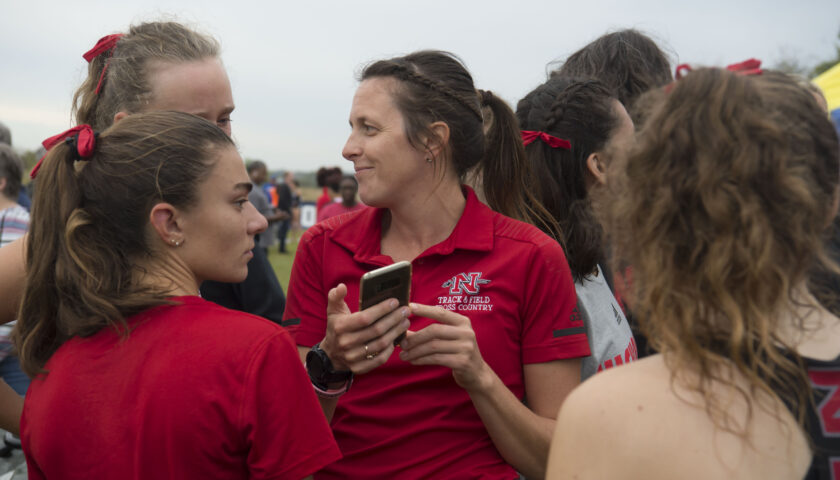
(529, 136)
(105, 44)
(85, 143)
(747, 67)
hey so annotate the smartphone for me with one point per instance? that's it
(392, 281)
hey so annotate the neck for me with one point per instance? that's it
(350, 204)
(422, 220)
(169, 274)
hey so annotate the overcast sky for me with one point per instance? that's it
(293, 64)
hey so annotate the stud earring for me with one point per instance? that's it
(175, 242)
(428, 160)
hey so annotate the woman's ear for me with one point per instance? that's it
(164, 220)
(597, 168)
(439, 139)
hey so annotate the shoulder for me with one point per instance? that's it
(617, 413)
(15, 213)
(531, 244)
(209, 319)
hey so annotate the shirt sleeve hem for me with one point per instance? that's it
(572, 346)
(310, 465)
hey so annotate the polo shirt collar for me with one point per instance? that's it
(363, 233)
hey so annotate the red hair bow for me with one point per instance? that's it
(529, 136)
(747, 67)
(103, 45)
(85, 143)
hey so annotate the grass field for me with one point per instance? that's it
(282, 263)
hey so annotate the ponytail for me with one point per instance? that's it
(504, 169)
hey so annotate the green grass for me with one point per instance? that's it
(282, 263)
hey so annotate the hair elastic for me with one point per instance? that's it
(105, 44)
(529, 136)
(81, 137)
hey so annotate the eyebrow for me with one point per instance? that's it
(247, 186)
(361, 119)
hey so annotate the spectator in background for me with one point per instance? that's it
(297, 199)
(14, 222)
(259, 175)
(6, 139)
(349, 187)
(328, 179)
(285, 201)
(14, 219)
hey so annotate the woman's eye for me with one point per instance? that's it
(369, 129)
(241, 203)
(223, 122)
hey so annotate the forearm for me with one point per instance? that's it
(11, 407)
(520, 435)
(12, 274)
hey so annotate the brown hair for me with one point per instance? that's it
(722, 212)
(627, 61)
(436, 86)
(580, 111)
(126, 83)
(89, 232)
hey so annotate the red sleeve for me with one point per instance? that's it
(305, 316)
(552, 330)
(284, 426)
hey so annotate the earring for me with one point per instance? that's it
(177, 243)
(428, 160)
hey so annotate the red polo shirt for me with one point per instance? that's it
(405, 421)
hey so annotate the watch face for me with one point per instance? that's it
(315, 365)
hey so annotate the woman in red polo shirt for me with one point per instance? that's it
(134, 375)
(492, 346)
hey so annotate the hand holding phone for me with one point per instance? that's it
(392, 281)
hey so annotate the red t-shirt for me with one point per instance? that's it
(405, 421)
(195, 391)
(323, 200)
(337, 208)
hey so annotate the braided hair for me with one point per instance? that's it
(580, 111)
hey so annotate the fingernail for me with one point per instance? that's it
(406, 312)
(393, 303)
(412, 305)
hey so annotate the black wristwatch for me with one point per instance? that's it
(321, 371)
